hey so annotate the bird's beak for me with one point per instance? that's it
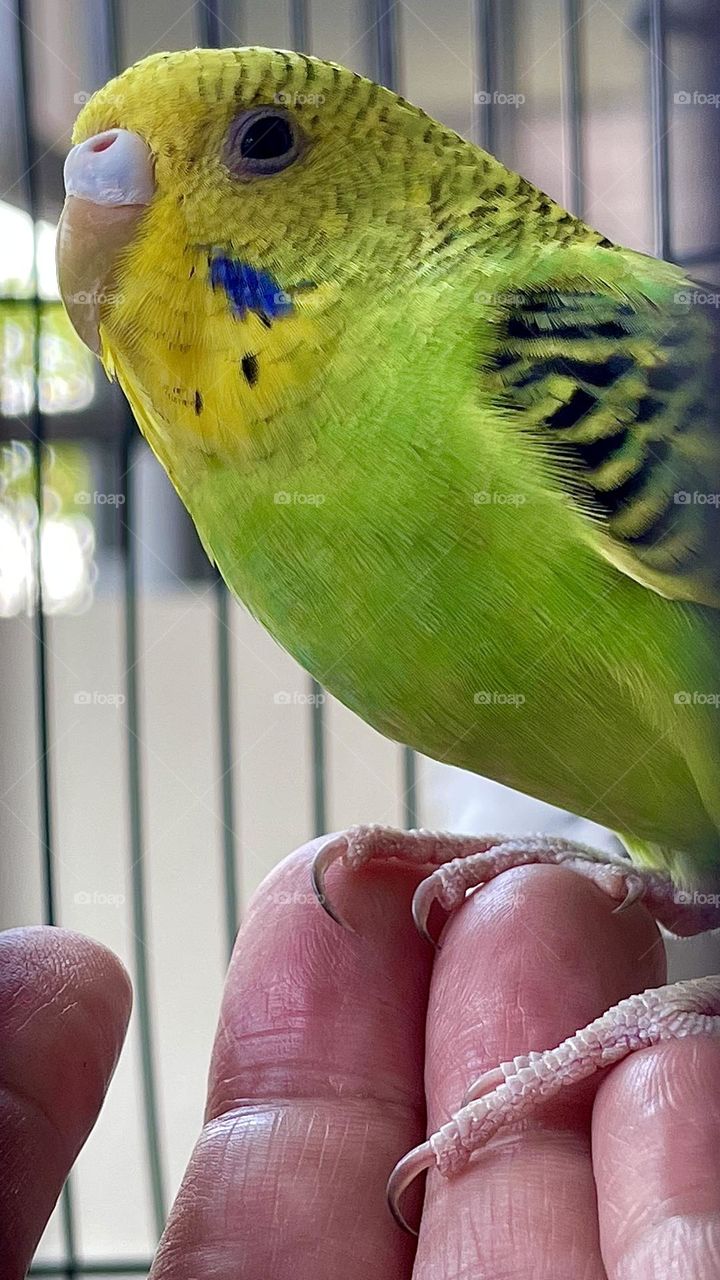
(109, 182)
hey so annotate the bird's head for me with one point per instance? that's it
(229, 210)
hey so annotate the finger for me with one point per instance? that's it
(525, 963)
(316, 1089)
(656, 1156)
(64, 1007)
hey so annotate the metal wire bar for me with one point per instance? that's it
(657, 68)
(382, 24)
(383, 27)
(210, 35)
(137, 852)
(572, 105)
(111, 37)
(209, 22)
(227, 788)
(485, 51)
(110, 1267)
(36, 425)
(696, 257)
(300, 37)
(214, 27)
(105, 45)
(319, 767)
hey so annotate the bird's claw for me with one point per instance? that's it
(330, 852)
(405, 1172)
(422, 903)
(634, 891)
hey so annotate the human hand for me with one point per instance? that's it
(316, 1088)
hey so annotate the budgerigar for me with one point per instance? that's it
(456, 450)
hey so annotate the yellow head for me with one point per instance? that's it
(223, 204)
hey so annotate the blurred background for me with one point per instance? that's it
(159, 753)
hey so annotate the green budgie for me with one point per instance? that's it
(455, 450)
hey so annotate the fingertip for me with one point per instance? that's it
(315, 1086)
(656, 1160)
(293, 966)
(526, 961)
(530, 958)
(64, 1006)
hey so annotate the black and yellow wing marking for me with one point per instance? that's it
(624, 393)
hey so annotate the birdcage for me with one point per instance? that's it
(159, 752)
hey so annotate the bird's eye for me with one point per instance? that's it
(262, 141)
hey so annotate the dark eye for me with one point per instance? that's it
(262, 141)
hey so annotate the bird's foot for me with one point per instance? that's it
(512, 1091)
(457, 863)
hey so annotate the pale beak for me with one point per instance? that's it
(109, 181)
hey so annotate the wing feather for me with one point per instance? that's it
(620, 387)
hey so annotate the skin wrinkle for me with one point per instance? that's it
(670, 1251)
(283, 1077)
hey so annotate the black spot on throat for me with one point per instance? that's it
(198, 403)
(250, 369)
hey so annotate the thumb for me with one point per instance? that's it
(64, 1007)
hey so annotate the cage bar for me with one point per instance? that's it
(109, 1267)
(209, 22)
(137, 844)
(300, 36)
(485, 25)
(112, 42)
(383, 39)
(36, 427)
(211, 35)
(573, 12)
(657, 71)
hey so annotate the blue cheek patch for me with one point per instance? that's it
(249, 289)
